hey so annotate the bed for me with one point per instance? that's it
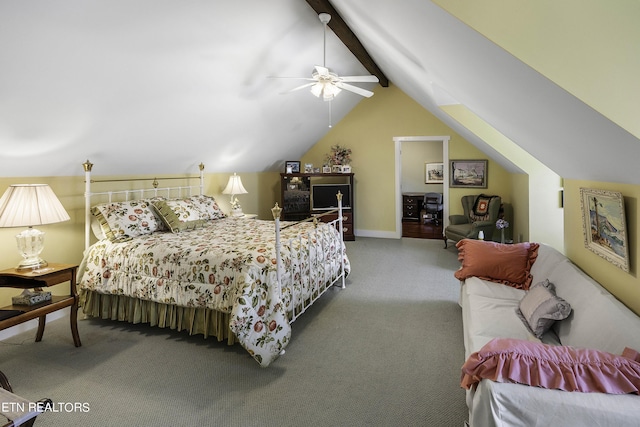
(171, 258)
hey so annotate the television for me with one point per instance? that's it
(323, 196)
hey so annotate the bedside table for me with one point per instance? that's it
(37, 279)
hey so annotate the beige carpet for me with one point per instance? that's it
(386, 351)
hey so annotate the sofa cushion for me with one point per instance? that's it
(506, 264)
(552, 367)
(541, 308)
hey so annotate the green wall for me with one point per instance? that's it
(625, 286)
(369, 130)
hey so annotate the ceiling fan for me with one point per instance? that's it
(326, 84)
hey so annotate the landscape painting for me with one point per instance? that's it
(604, 225)
(468, 173)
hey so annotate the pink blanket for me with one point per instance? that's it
(552, 367)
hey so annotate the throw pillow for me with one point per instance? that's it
(181, 214)
(540, 308)
(558, 367)
(495, 262)
(121, 221)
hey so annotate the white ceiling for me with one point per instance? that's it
(139, 85)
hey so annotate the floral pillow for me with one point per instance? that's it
(208, 206)
(184, 214)
(121, 221)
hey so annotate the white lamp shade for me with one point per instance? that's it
(26, 205)
(234, 186)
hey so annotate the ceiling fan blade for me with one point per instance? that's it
(322, 71)
(361, 79)
(300, 87)
(355, 89)
(295, 78)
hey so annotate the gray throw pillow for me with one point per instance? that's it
(540, 308)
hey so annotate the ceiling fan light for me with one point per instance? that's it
(316, 89)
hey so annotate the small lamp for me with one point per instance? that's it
(26, 205)
(234, 186)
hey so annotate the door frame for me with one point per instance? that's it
(398, 140)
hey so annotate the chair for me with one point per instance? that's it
(433, 206)
(19, 411)
(480, 214)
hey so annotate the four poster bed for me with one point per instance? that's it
(170, 257)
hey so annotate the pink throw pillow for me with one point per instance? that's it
(495, 262)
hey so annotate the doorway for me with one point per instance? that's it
(416, 226)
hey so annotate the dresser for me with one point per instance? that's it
(411, 206)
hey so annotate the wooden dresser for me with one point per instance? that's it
(411, 206)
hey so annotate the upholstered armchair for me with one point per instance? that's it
(480, 214)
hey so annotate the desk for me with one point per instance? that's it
(37, 279)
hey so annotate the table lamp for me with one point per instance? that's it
(26, 205)
(234, 186)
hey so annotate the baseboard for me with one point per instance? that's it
(33, 324)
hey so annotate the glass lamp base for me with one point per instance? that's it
(30, 245)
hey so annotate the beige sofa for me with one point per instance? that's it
(598, 321)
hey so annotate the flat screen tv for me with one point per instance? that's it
(323, 196)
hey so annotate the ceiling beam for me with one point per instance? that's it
(344, 33)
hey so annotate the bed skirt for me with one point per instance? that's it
(205, 321)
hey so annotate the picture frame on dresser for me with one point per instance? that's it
(604, 225)
(469, 173)
(292, 166)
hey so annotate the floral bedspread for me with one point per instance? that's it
(229, 266)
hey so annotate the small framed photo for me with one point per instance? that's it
(292, 166)
(326, 169)
(605, 226)
(336, 169)
(308, 168)
(434, 173)
(316, 170)
(346, 168)
(468, 173)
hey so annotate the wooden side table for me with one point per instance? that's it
(44, 277)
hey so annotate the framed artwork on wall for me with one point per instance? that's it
(468, 173)
(434, 173)
(604, 225)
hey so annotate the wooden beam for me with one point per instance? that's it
(344, 33)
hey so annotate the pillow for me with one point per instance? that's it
(540, 308)
(121, 221)
(536, 364)
(496, 262)
(181, 214)
(208, 206)
(632, 354)
(480, 211)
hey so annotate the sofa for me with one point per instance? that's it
(596, 330)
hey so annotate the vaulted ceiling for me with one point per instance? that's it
(140, 85)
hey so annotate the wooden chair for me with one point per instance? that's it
(20, 411)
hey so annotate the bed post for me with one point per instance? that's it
(276, 211)
(339, 196)
(201, 167)
(87, 202)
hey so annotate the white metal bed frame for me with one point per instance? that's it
(299, 304)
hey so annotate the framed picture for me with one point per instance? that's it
(468, 173)
(292, 166)
(604, 225)
(308, 168)
(433, 173)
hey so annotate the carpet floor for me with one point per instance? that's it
(385, 351)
